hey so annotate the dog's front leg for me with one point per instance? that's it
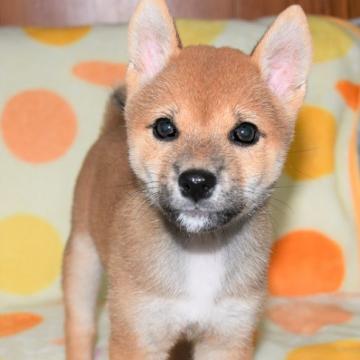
(220, 349)
(232, 335)
(124, 346)
(140, 340)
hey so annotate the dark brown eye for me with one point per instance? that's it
(164, 129)
(245, 134)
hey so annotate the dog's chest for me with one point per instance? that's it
(204, 280)
(201, 305)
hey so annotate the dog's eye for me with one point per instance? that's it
(164, 129)
(245, 134)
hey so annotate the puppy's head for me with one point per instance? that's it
(209, 129)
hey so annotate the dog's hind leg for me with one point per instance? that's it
(81, 282)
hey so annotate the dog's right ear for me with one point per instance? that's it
(153, 40)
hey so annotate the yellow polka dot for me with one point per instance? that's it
(57, 36)
(311, 154)
(337, 350)
(30, 254)
(329, 40)
(194, 32)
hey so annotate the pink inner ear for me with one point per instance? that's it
(152, 56)
(281, 75)
(149, 58)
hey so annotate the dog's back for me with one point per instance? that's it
(105, 170)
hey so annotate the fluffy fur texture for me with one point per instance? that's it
(178, 269)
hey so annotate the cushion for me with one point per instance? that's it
(53, 89)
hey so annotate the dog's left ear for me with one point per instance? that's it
(284, 57)
(152, 41)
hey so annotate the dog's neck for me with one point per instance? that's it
(212, 241)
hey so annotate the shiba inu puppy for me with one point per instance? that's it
(171, 201)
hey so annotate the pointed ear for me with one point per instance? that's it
(284, 57)
(153, 39)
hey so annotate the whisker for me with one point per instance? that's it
(282, 202)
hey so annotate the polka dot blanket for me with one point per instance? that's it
(53, 88)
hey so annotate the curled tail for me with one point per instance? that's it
(114, 115)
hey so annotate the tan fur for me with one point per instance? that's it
(167, 284)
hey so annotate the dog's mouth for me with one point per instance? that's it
(206, 215)
(199, 220)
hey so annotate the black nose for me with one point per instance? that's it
(197, 184)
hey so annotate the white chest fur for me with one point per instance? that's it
(204, 275)
(198, 308)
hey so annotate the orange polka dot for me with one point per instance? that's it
(13, 323)
(306, 318)
(100, 72)
(305, 262)
(57, 36)
(350, 92)
(38, 125)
